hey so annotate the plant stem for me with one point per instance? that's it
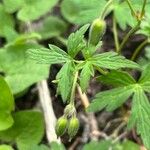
(127, 36)
(138, 49)
(73, 88)
(131, 8)
(103, 72)
(115, 34)
(102, 16)
(143, 8)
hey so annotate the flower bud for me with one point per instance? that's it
(97, 30)
(61, 126)
(73, 127)
(69, 110)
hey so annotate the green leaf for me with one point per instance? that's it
(6, 21)
(85, 75)
(112, 60)
(5, 147)
(123, 14)
(140, 115)
(82, 12)
(27, 130)
(117, 78)
(144, 80)
(76, 41)
(54, 55)
(65, 79)
(103, 145)
(12, 5)
(32, 10)
(22, 72)
(57, 146)
(111, 99)
(52, 27)
(6, 105)
(129, 145)
(38, 147)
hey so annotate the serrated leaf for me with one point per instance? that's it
(112, 60)
(5, 147)
(82, 12)
(32, 10)
(111, 99)
(6, 105)
(65, 77)
(76, 41)
(117, 78)
(52, 27)
(27, 130)
(140, 115)
(85, 75)
(144, 80)
(6, 21)
(54, 55)
(22, 72)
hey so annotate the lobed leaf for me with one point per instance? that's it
(76, 41)
(117, 78)
(112, 60)
(111, 99)
(140, 115)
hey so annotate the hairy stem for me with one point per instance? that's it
(73, 88)
(143, 8)
(138, 49)
(131, 7)
(115, 33)
(102, 16)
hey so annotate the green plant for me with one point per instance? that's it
(25, 60)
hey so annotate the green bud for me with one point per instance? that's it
(61, 126)
(73, 127)
(69, 110)
(97, 31)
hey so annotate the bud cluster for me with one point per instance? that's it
(68, 122)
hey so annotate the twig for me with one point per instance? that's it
(91, 117)
(49, 116)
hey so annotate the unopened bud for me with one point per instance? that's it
(73, 127)
(97, 31)
(61, 126)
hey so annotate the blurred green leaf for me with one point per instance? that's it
(57, 146)
(21, 72)
(27, 130)
(52, 27)
(6, 21)
(5, 147)
(82, 12)
(33, 9)
(93, 145)
(6, 105)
